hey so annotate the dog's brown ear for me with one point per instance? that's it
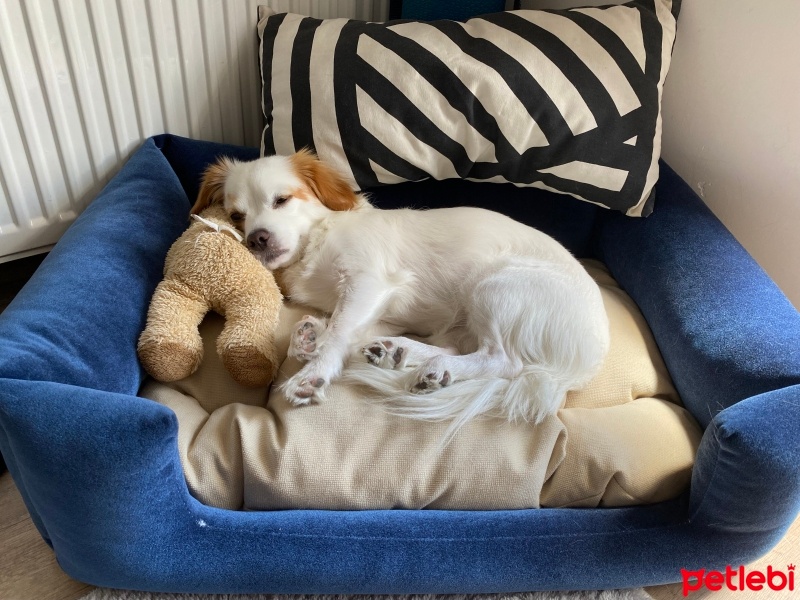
(325, 183)
(213, 184)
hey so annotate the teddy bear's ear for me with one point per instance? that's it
(212, 187)
(331, 188)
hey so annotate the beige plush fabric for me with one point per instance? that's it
(629, 439)
(204, 270)
(624, 440)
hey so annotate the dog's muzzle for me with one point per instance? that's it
(258, 240)
(261, 243)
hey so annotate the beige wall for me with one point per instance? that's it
(732, 121)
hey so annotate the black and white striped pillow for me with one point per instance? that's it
(565, 100)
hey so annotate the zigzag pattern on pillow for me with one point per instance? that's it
(562, 100)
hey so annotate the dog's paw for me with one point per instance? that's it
(303, 389)
(427, 380)
(304, 343)
(385, 354)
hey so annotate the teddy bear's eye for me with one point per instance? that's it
(281, 200)
(237, 217)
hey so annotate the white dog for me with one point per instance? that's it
(511, 320)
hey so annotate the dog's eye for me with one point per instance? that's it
(237, 217)
(281, 200)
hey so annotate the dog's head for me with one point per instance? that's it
(276, 201)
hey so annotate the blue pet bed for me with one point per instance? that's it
(98, 466)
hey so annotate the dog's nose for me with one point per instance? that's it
(257, 240)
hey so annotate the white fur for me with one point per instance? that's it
(510, 320)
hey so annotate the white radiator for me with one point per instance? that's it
(85, 81)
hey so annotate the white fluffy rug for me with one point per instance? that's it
(633, 594)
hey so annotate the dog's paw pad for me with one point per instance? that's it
(302, 395)
(374, 354)
(384, 354)
(304, 342)
(398, 355)
(430, 382)
(300, 392)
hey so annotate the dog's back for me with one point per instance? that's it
(506, 293)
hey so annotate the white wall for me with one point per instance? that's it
(732, 121)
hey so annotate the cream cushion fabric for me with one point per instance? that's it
(623, 440)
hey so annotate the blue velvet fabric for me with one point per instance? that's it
(99, 469)
(725, 329)
(78, 318)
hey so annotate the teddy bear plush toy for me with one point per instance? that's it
(208, 268)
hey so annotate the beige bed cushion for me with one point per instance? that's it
(623, 440)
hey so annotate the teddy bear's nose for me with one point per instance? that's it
(257, 240)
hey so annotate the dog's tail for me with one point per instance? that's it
(531, 396)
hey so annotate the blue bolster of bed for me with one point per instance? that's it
(746, 478)
(724, 328)
(78, 319)
(104, 471)
(729, 338)
(99, 468)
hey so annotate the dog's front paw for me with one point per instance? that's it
(385, 354)
(304, 344)
(303, 389)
